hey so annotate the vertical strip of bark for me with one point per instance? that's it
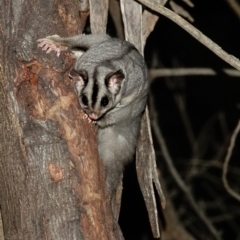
(132, 19)
(51, 179)
(145, 156)
(99, 14)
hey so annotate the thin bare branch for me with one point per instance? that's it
(181, 11)
(171, 72)
(226, 163)
(235, 6)
(181, 106)
(161, 141)
(189, 3)
(231, 72)
(230, 59)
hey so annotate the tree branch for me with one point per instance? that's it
(171, 72)
(161, 141)
(226, 162)
(155, 6)
(181, 11)
(235, 6)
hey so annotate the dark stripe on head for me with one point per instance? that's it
(95, 89)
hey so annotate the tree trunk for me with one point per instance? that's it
(52, 180)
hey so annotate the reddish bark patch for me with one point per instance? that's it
(40, 89)
(56, 173)
(27, 72)
(53, 98)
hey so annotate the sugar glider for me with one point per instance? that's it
(110, 80)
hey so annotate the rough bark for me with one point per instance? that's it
(52, 181)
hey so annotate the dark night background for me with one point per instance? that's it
(205, 97)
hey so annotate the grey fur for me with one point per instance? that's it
(109, 69)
